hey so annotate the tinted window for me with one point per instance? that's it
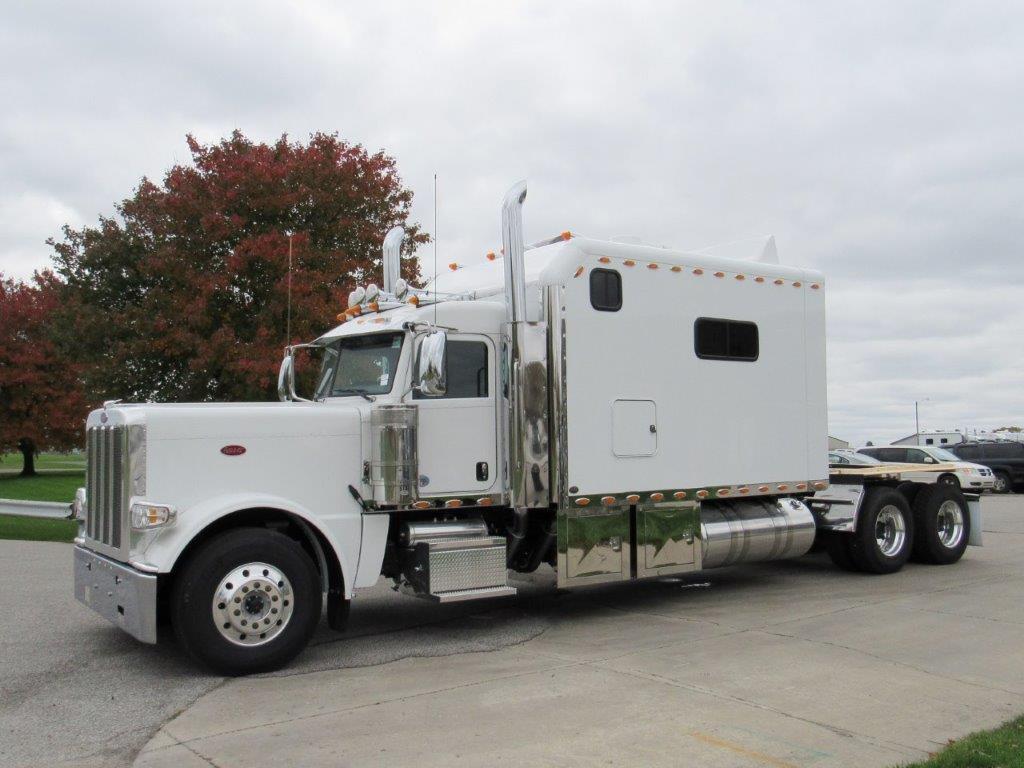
(715, 339)
(968, 452)
(1004, 451)
(914, 456)
(892, 454)
(605, 290)
(930, 441)
(466, 370)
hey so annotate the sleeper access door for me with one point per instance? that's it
(616, 519)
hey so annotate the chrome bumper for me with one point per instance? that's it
(118, 593)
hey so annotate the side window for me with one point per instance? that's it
(944, 440)
(892, 454)
(466, 371)
(605, 290)
(968, 452)
(715, 339)
(915, 456)
(930, 441)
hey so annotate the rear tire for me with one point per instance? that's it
(838, 547)
(247, 600)
(942, 525)
(1002, 482)
(885, 532)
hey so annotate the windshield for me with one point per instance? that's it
(359, 365)
(943, 455)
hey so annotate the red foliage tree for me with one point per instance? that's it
(41, 402)
(185, 296)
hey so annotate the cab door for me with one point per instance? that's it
(458, 431)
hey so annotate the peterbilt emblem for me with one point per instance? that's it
(424, 481)
(233, 450)
(103, 418)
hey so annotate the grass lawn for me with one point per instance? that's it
(48, 487)
(1002, 747)
(36, 529)
(10, 463)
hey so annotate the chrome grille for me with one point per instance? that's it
(106, 491)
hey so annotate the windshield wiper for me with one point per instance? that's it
(355, 391)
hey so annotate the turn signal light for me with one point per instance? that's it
(677, 269)
(605, 260)
(414, 300)
(758, 279)
(719, 274)
(652, 266)
(782, 487)
(484, 502)
(629, 263)
(453, 266)
(820, 485)
(146, 516)
(578, 272)
(566, 235)
(779, 282)
(421, 504)
(698, 271)
(491, 256)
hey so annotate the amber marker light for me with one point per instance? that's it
(373, 306)
(677, 269)
(743, 491)
(633, 498)
(491, 256)
(815, 286)
(578, 272)
(741, 277)
(605, 260)
(780, 281)
(702, 494)
(414, 300)
(797, 284)
(629, 263)
(758, 279)
(820, 485)
(453, 503)
(341, 317)
(582, 501)
(567, 235)
(782, 487)
(652, 266)
(801, 486)
(484, 502)
(679, 495)
(698, 271)
(607, 500)
(421, 504)
(723, 491)
(762, 489)
(453, 266)
(657, 497)
(719, 274)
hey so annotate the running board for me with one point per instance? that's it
(461, 595)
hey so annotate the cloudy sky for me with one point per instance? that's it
(879, 142)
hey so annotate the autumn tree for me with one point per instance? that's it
(182, 296)
(41, 402)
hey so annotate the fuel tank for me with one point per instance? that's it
(734, 532)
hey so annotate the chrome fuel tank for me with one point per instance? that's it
(735, 532)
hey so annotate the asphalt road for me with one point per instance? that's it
(782, 664)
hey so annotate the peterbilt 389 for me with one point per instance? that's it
(612, 410)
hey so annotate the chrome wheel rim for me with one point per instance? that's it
(950, 524)
(890, 531)
(252, 604)
(999, 483)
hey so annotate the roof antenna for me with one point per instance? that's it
(435, 249)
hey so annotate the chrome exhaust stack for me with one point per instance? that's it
(392, 259)
(515, 249)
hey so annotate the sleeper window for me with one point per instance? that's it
(466, 370)
(716, 339)
(605, 290)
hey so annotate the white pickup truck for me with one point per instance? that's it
(615, 411)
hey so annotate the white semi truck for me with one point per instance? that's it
(616, 411)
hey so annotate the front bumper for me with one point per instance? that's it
(120, 594)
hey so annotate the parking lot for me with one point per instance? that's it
(786, 664)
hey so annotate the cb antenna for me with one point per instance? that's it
(435, 249)
(288, 320)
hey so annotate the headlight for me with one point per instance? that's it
(146, 516)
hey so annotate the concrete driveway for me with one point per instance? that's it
(790, 664)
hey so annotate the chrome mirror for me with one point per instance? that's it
(286, 377)
(431, 377)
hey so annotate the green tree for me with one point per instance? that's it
(183, 296)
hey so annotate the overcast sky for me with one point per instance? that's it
(881, 143)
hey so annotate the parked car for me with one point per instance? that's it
(848, 458)
(966, 475)
(1006, 460)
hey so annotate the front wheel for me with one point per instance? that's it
(951, 481)
(1001, 482)
(247, 600)
(885, 532)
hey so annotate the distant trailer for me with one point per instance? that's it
(932, 438)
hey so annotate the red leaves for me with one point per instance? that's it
(40, 394)
(186, 297)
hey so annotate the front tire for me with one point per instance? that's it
(247, 600)
(951, 481)
(1001, 482)
(885, 532)
(942, 525)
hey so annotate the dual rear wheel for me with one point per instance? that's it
(891, 530)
